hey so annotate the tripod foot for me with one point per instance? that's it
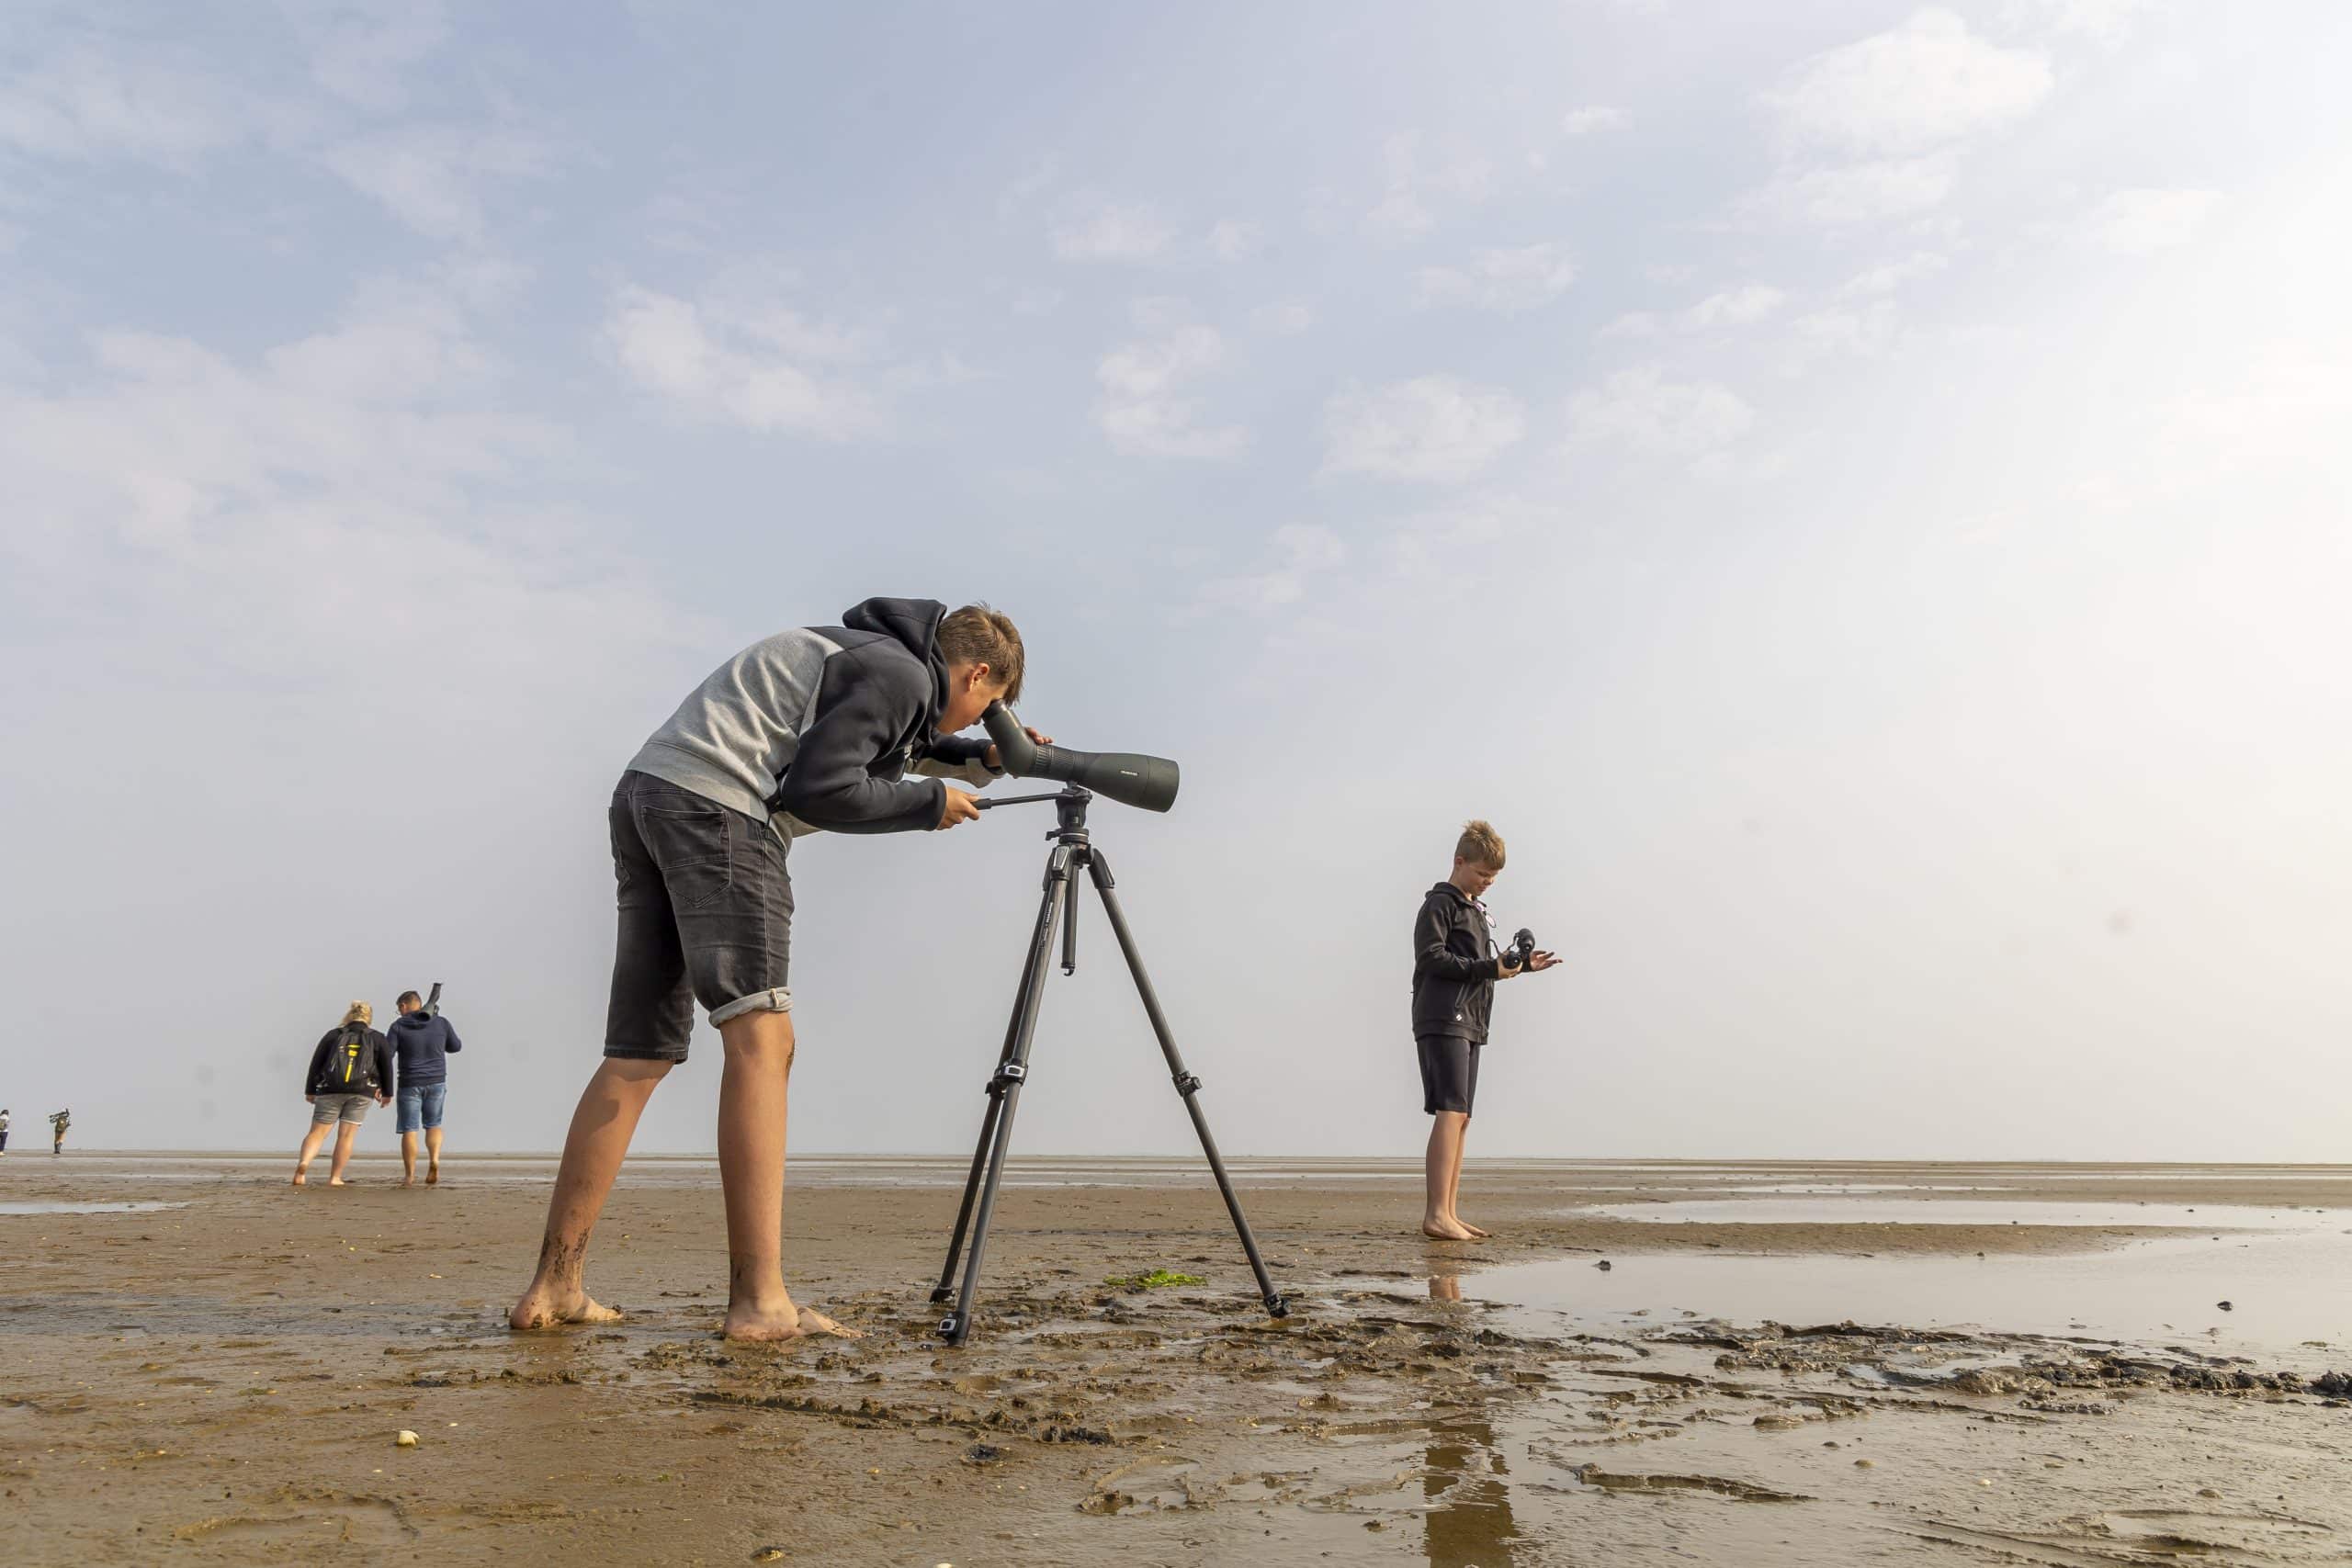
(942, 1292)
(1277, 1307)
(952, 1330)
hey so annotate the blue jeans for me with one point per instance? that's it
(420, 1106)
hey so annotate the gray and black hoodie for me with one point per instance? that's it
(817, 728)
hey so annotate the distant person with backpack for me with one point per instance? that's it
(422, 1043)
(352, 1065)
(4, 1129)
(58, 1122)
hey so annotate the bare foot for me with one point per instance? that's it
(1446, 1230)
(544, 1307)
(433, 1174)
(337, 1181)
(787, 1321)
(301, 1176)
(409, 1180)
(1474, 1230)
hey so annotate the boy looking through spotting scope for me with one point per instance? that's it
(1456, 965)
(814, 728)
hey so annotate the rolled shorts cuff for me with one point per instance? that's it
(775, 998)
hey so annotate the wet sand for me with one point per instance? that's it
(224, 1381)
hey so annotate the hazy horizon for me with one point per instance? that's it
(1856, 494)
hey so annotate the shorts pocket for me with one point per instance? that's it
(691, 844)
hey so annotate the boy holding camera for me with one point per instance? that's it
(1456, 965)
(813, 728)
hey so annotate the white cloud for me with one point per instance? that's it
(1508, 281)
(365, 478)
(1867, 329)
(1143, 411)
(1036, 301)
(2107, 21)
(1734, 307)
(1925, 84)
(1415, 188)
(764, 368)
(1231, 240)
(1285, 319)
(1298, 552)
(1434, 428)
(2140, 222)
(88, 100)
(1889, 276)
(1856, 193)
(1114, 233)
(1651, 414)
(361, 51)
(1748, 303)
(435, 177)
(1591, 118)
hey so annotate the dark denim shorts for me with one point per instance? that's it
(1449, 1073)
(706, 916)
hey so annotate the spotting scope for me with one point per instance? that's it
(1123, 776)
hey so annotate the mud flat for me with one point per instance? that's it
(1815, 1364)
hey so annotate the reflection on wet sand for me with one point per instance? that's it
(1469, 1522)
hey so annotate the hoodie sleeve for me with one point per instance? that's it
(450, 1042)
(319, 1062)
(383, 1062)
(955, 757)
(866, 703)
(1432, 955)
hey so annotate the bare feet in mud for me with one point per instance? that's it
(544, 1308)
(433, 1174)
(301, 1176)
(1448, 1230)
(1476, 1233)
(787, 1323)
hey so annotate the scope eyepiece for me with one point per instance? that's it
(1128, 777)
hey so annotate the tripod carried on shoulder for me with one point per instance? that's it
(1073, 851)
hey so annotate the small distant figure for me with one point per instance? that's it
(352, 1065)
(4, 1129)
(1456, 965)
(58, 1122)
(421, 1043)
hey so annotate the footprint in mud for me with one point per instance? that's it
(344, 1522)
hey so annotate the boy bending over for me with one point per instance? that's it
(1456, 965)
(812, 728)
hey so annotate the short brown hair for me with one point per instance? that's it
(407, 996)
(977, 635)
(1480, 842)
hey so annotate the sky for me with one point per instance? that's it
(1855, 493)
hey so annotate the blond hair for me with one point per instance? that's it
(977, 635)
(359, 1013)
(1481, 843)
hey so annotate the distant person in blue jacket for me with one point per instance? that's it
(423, 1041)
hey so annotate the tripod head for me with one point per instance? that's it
(1127, 777)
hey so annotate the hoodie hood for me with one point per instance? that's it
(914, 624)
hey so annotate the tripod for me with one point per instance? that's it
(1072, 849)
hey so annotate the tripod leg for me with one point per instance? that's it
(1187, 1085)
(1005, 1090)
(946, 1286)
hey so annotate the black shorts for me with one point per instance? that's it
(1449, 1072)
(705, 915)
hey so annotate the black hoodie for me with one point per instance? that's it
(1455, 965)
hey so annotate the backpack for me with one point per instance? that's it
(351, 1065)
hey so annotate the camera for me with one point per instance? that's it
(1521, 949)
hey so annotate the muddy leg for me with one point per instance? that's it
(601, 1129)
